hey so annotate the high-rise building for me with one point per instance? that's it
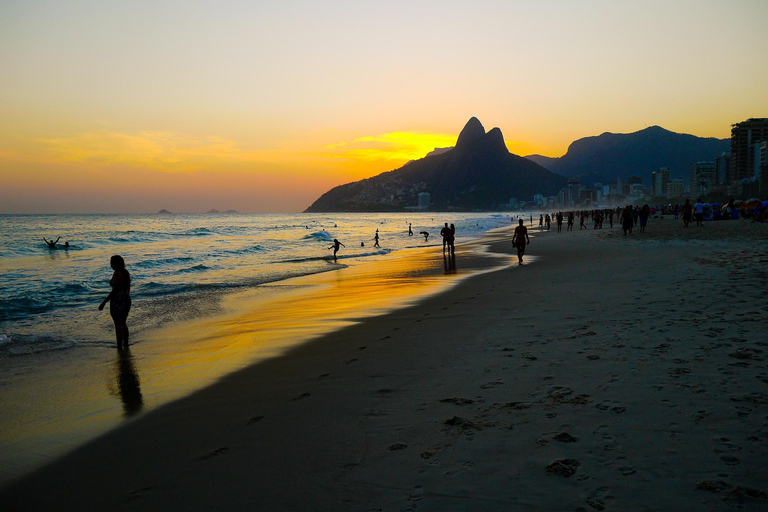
(424, 200)
(702, 178)
(764, 169)
(573, 191)
(721, 168)
(675, 189)
(660, 180)
(744, 137)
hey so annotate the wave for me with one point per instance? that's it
(27, 344)
(250, 249)
(380, 252)
(162, 262)
(319, 235)
(196, 268)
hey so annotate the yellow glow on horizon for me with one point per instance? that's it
(395, 146)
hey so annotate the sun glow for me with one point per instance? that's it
(390, 147)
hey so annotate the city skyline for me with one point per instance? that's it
(134, 108)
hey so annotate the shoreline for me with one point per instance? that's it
(598, 356)
(226, 332)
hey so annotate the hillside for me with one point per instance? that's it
(478, 173)
(612, 155)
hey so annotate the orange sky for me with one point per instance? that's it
(263, 106)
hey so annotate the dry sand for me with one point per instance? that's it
(611, 373)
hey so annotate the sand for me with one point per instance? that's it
(610, 373)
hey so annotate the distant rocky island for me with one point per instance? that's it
(164, 212)
(479, 173)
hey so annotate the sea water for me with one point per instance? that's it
(62, 381)
(48, 296)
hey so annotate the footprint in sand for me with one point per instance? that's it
(214, 453)
(563, 467)
(457, 401)
(627, 470)
(598, 499)
(565, 437)
(300, 397)
(493, 384)
(614, 407)
(254, 419)
(135, 494)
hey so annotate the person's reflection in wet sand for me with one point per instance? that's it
(449, 262)
(127, 381)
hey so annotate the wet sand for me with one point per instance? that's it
(611, 373)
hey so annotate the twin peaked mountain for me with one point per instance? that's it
(478, 173)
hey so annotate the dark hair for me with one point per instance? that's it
(117, 262)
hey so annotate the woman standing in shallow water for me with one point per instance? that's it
(119, 299)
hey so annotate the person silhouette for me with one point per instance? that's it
(50, 243)
(426, 235)
(445, 233)
(119, 299)
(376, 239)
(520, 240)
(335, 247)
(410, 231)
(452, 238)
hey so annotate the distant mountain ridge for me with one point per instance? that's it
(478, 173)
(605, 157)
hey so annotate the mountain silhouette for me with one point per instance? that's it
(478, 173)
(620, 155)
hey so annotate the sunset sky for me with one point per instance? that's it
(117, 106)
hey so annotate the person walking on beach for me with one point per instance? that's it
(548, 221)
(698, 212)
(541, 222)
(51, 243)
(626, 219)
(335, 247)
(119, 299)
(445, 233)
(410, 231)
(687, 211)
(645, 212)
(520, 240)
(376, 239)
(559, 218)
(570, 221)
(531, 220)
(452, 238)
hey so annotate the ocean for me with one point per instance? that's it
(63, 382)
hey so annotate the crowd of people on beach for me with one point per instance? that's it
(448, 234)
(632, 216)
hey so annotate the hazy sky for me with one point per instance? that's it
(133, 106)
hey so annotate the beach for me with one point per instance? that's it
(609, 372)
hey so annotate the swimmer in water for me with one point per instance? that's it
(51, 244)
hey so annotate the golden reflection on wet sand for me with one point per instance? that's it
(256, 325)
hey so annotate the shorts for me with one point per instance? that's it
(119, 307)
